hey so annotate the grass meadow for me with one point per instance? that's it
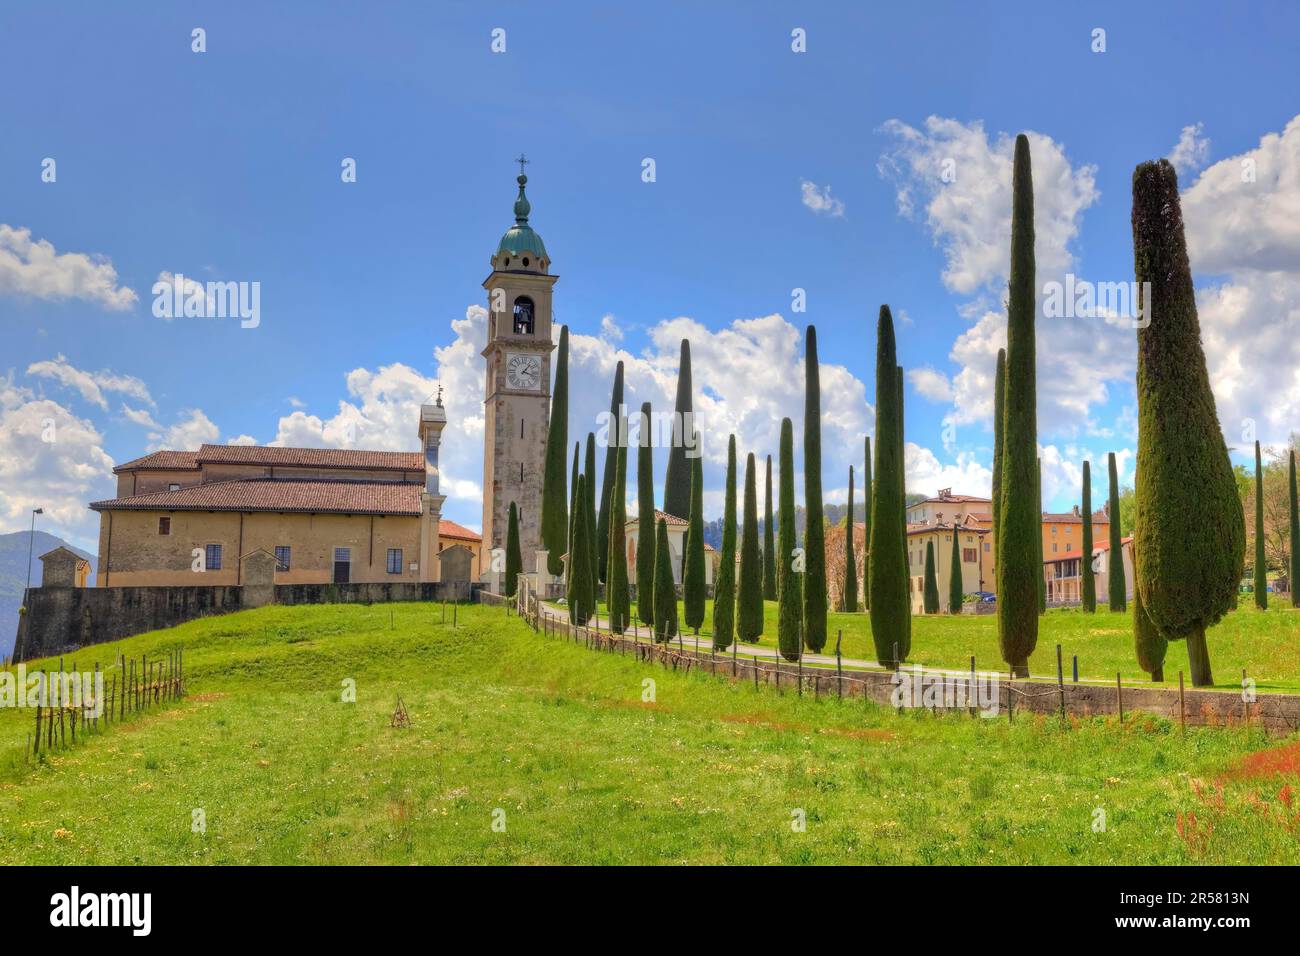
(557, 745)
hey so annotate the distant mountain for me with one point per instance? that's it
(13, 576)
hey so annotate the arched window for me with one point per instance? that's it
(523, 315)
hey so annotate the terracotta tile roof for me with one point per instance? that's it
(310, 457)
(280, 494)
(959, 499)
(670, 519)
(161, 459)
(944, 526)
(1069, 517)
(449, 529)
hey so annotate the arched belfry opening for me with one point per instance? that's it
(523, 315)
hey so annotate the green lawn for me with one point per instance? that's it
(558, 738)
(1265, 643)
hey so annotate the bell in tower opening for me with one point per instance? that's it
(523, 316)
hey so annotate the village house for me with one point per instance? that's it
(676, 547)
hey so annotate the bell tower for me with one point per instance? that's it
(518, 384)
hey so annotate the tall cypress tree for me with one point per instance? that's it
(930, 597)
(999, 413)
(956, 586)
(665, 589)
(612, 442)
(617, 599)
(1149, 643)
(1261, 567)
(1293, 543)
(677, 481)
(695, 590)
(514, 559)
(1042, 582)
(887, 575)
(1190, 527)
(581, 597)
(1020, 529)
(769, 539)
(555, 497)
(573, 514)
(1116, 584)
(866, 529)
(788, 610)
(906, 647)
(814, 581)
(1089, 576)
(850, 559)
(645, 520)
(724, 589)
(589, 486)
(749, 593)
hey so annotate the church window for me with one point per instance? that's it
(394, 560)
(282, 557)
(164, 525)
(523, 315)
(212, 557)
(525, 262)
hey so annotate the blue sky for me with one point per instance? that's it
(775, 170)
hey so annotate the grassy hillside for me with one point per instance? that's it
(559, 739)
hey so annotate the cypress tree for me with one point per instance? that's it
(906, 646)
(665, 590)
(789, 598)
(749, 593)
(1149, 642)
(677, 481)
(555, 519)
(1042, 582)
(581, 597)
(999, 412)
(724, 589)
(612, 442)
(956, 586)
(1089, 576)
(617, 599)
(930, 598)
(1293, 543)
(573, 514)
(1019, 519)
(589, 486)
(514, 559)
(1261, 568)
(887, 574)
(866, 529)
(769, 542)
(1190, 527)
(850, 559)
(645, 515)
(1116, 585)
(814, 536)
(695, 590)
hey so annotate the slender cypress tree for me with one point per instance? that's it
(617, 599)
(677, 481)
(1261, 567)
(1019, 570)
(769, 539)
(788, 611)
(814, 535)
(615, 438)
(514, 560)
(1089, 576)
(1190, 527)
(749, 592)
(887, 575)
(645, 520)
(866, 529)
(1116, 584)
(1042, 582)
(724, 589)
(1149, 642)
(696, 591)
(581, 597)
(930, 598)
(999, 413)
(850, 559)
(956, 586)
(665, 588)
(555, 519)
(906, 647)
(573, 514)
(1293, 543)
(589, 486)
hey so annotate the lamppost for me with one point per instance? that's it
(25, 610)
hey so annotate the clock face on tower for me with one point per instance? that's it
(523, 371)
